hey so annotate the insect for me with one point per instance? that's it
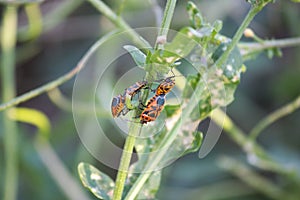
(165, 86)
(118, 105)
(153, 109)
(156, 104)
(135, 88)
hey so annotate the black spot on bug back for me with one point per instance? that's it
(115, 101)
(146, 112)
(152, 114)
(161, 101)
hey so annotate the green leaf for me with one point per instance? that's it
(151, 186)
(101, 185)
(232, 68)
(273, 52)
(195, 17)
(155, 70)
(181, 46)
(152, 138)
(34, 117)
(188, 140)
(296, 1)
(191, 83)
(218, 25)
(138, 56)
(204, 106)
(171, 109)
(218, 92)
(196, 144)
(220, 84)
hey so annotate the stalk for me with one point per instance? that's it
(8, 43)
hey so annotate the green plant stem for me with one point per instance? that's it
(250, 47)
(57, 82)
(166, 22)
(8, 43)
(120, 23)
(165, 144)
(274, 116)
(239, 33)
(125, 160)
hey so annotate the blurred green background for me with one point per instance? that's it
(266, 85)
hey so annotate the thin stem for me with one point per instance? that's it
(8, 43)
(57, 82)
(125, 160)
(166, 22)
(120, 23)
(274, 116)
(249, 47)
(239, 33)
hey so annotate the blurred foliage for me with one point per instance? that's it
(266, 86)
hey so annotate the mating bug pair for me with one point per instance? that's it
(154, 106)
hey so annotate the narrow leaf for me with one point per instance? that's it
(34, 117)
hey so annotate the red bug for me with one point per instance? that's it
(165, 86)
(135, 88)
(153, 109)
(156, 104)
(118, 105)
